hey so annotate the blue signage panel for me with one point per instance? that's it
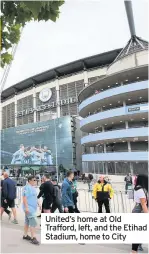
(42, 143)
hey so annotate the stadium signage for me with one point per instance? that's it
(45, 94)
(133, 109)
(46, 106)
(138, 108)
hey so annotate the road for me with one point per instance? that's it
(12, 242)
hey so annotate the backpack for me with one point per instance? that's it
(57, 192)
(138, 207)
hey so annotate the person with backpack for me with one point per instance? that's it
(141, 200)
(103, 192)
(57, 199)
(128, 182)
(9, 196)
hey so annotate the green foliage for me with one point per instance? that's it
(14, 16)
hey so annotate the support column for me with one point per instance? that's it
(126, 124)
(15, 109)
(131, 168)
(103, 129)
(93, 166)
(34, 103)
(106, 168)
(105, 150)
(1, 116)
(105, 163)
(91, 149)
(129, 146)
(124, 104)
(57, 97)
(85, 77)
(115, 167)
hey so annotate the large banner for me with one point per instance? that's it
(42, 143)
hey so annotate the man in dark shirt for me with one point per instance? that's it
(2, 200)
(47, 191)
(9, 196)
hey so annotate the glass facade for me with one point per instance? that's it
(115, 168)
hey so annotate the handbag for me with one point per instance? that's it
(138, 206)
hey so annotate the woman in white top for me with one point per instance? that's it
(141, 200)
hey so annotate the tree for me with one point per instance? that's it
(14, 16)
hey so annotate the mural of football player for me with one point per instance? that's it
(19, 156)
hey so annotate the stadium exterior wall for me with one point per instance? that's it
(115, 119)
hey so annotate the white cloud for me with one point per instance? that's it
(84, 28)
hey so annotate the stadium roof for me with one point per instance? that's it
(63, 70)
(134, 45)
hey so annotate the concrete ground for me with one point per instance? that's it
(12, 242)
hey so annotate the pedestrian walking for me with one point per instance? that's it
(75, 194)
(30, 204)
(40, 188)
(57, 199)
(83, 178)
(67, 198)
(38, 179)
(47, 192)
(90, 182)
(9, 196)
(141, 201)
(103, 192)
(8, 212)
(128, 182)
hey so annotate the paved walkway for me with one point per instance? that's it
(12, 242)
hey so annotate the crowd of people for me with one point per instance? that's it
(34, 155)
(64, 198)
(53, 197)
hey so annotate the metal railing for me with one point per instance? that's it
(120, 203)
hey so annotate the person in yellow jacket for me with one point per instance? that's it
(103, 192)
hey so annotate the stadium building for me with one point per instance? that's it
(91, 114)
(47, 99)
(115, 115)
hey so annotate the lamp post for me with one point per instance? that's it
(56, 150)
